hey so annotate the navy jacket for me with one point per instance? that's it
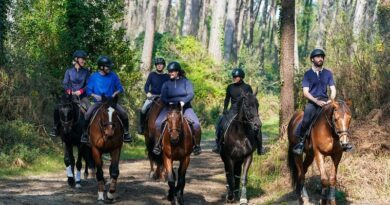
(317, 84)
(154, 82)
(76, 80)
(176, 90)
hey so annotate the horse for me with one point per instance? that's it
(151, 139)
(106, 136)
(239, 145)
(328, 137)
(70, 131)
(177, 145)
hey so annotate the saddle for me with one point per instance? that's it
(308, 131)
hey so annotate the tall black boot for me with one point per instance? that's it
(298, 148)
(259, 142)
(196, 139)
(84, 136)
(126, 136)
(141, 121)
(157, 146)
(54, 131)
(217, 145)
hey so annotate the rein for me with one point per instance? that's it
(331, 124)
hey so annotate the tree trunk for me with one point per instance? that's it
(240, 24)
(287, 62)
(323, 17)
(253, 12)
(3, 30)
(263, 27)
(216, 29)
(149, 39)
(203, 30)
(191, 17)
(165, 10)
(306, 24)
(230, 30)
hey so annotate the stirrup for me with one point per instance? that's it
(298, 148)
(197, 150)
(156, 150)
(127, 137)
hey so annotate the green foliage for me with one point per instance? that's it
(4, 4)
(19, 140)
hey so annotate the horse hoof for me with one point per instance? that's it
(229, 199)
(71, 182)
(243, 201)
(78, 184)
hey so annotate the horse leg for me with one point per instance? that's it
(306, 163)
(324, 177)
(152, 174)
(237, 178)
(300, 189)
(333, 178)
(69, 163)
(97, 156)
(171, 178)
(182, 179)
(229, 169)
(247, 164)
(79, 165)
(114, 173)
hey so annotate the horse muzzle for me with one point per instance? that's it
(344, 141)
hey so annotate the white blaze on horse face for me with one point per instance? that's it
(110, 111)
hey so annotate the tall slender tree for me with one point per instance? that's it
(164, 13)
(4, 4)
(203, 30)
(215, 42)
(230, 29)
(191, 17)
(287, 62)
(149, 39)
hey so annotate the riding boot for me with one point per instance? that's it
(157, 147)
(84, 136)
(54, 132)
(298, 148)
(141, 120)
(217, 145)
(126, 136)
(259, 142)
(196, 139)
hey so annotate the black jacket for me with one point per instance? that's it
(233, 93)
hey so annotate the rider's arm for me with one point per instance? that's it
(308, 95)
(332, 92)
(66, 82)
(190, 91)
(227, 99)
(147, 84)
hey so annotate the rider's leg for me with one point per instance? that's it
(142, 115)
(87, 117)
(308, 115)
(56, 118)
(190, 114)
(159, 121)
(218, 133)
(259, 141)
(125, 119)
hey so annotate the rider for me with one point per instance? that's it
(152, 88)
(178, 90)
(233, 94)
(314, 83)
(105, 82)
(74, 83)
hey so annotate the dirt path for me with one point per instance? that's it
(205, 184)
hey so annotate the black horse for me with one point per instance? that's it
(70, 130)
(239, 145)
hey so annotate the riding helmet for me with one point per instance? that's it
(317, 52)
(238, 72)
(159, 61)
(80, 54)
(105, 61)
(173, 66)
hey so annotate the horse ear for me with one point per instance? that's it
(349, 102)
(257, 89)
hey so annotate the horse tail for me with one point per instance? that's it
(292, 166)
(149, 148)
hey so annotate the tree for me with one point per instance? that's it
(216, 29)
(191, 17)
(149, 39)
(203, 30)
(287, 28)
(165, 10)
(230, 29)
(3, 29)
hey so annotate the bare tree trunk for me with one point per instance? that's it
(296, 54)
(230, 30)
(191, 17)
(147, 50)
(4, 5)
(253, 12)
(216, 29)
(287, 62)
(134, 18)
(263, 27)
(203, 30)
(240, 24)
(165, 10)
(323, 17)
(306, 24)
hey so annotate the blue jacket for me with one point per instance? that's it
(76, 80)
(154, 82)
(99, 84)
(176, 90)
(318, 84)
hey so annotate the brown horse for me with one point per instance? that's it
(177, 144)
(106, 136)
(151, 139)
(328, 137)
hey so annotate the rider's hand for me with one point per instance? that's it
(181, 103)
(148, 95)
(69, 91)
(97, 97)
(78, 93)
(320, 103)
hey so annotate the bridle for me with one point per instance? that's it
(332, 122)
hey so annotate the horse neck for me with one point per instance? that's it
(326, 117)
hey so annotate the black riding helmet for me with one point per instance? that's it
(173, 66)
(105, 61)
(159, 61)
(80, 54)
(238, 72)
(317, 52)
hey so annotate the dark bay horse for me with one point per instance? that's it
(106, 136)
(177, 144)
(150, 139)
(239, 145)
(328, 137)
(70, 131)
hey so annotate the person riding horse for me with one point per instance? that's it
(152, 88)
(314, 83)
(74, 83)
(178, 90)
(233, 94)
(105, 83)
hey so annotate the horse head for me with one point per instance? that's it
(249, 109)
(174, 122)
(108, 115)
(341, 119)
(67, 113)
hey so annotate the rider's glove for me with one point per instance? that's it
(181, 103)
